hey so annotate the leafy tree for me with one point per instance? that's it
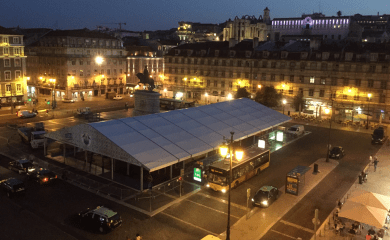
(298, 100)
(242, 93)
(339, 14)
(268, 96)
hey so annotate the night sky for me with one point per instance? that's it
(165, 14)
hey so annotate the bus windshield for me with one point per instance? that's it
(217, 179)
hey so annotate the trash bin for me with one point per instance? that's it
(360, 179)
(315, 170)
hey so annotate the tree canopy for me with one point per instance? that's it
(242, 93)
(268, 96)
(299, 100)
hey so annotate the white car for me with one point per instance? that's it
(66, 100)
(26, 114)
(118, 97)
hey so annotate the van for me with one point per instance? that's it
(296, 130)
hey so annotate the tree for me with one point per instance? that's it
(299, 100)
(339, 14)
(242, 93)
(268, 96)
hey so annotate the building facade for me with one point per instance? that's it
(77, 63)
(13, 78)
(353, 76)
(189, 32)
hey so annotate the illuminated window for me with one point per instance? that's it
(18, 87)
(6, 50)
(81, 73)
(5, 40)
(8, 88)
(17, 74)
(323, 81)
(312, 79)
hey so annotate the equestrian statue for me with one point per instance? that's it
(146, 80)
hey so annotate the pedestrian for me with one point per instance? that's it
(370, 159)
(375, 163)
(138, 237)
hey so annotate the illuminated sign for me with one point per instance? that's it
(279, 136)
(197, 174)
(292, 185)
(261, 143)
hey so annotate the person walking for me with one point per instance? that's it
(375, 163)
(138, 237)
(370, 159)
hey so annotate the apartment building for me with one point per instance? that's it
(77, 63)
(13, 79)
(352, 76)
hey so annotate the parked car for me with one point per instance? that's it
(118, 97)
(101, 218)
(13, 186)
(21, 166)
(336, 152)
(265, 196)
(26, 114)
(43, 176)
(296, 130)
(66, 100)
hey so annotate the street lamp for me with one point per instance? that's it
(284, 103)
(185, 85)
(330, 128)
(368, 112)
(53, 96)
(223, 150)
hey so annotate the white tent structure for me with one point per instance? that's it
(365, 214)
(370, 199)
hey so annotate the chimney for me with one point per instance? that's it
(232, 42)
(255, 42)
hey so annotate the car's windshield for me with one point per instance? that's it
(336, 150)
(292, 129)
(262, 194)
(115, 217)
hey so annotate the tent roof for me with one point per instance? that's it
(163, 139)
(365, 214)
(371, 199)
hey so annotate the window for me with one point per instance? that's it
(8, 88)
(313, 66)
(7, 62)
(385, 69)
(272, 77)
(273, 64)
(291, 91)
(345, 96)
(335, 67)
(223, 84)
(334, 82)
(300, 90)
(372, 68)
(18, 87)
(311, 92)
(81, 73)
(17, 62)
(246, 75)
(323, 81)
(312, 79)
(16, 40)
(301, 79)
(263, 76)
(74, 73)
(292, 78)
(7, 75)
(108, 71)
(292, 64)
(356, 97)
(17, 74)
(208, 83)
(370, 84)
(282, 65)
(345, 82)
(383, 84)
(303, 65)
(215, 83)
(322, 93)
(324, 66)
(16, 51)
(88, 62)
(73, 63)
(347, 68)
(6, 51)
(358, 82)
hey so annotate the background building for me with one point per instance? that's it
(13, 79)
(65, 61)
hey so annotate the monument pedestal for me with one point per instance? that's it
(146, 102)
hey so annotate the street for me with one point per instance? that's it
(206, 211)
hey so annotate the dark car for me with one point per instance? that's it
(336, 152)
(13, 186)
(101, 219)
(21, 166)
(265, 196)
(43, 176)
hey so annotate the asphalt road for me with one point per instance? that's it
(205, 212)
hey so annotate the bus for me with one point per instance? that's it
(254, 161)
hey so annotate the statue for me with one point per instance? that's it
(145, 79)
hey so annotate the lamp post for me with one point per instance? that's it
(53, 96)
(368, 112)
(99, 61)
(224, 149)
(330, 128)
(284, 103)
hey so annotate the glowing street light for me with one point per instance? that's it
(284, 103)
(99, 60)
(369, 95)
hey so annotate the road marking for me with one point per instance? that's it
(224, 201)
(297, 226)
(211, 208)
(178, 219)
(284, 234)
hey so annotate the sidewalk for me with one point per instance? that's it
(377, 182)
(259, 221)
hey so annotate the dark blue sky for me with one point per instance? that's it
(165, 14)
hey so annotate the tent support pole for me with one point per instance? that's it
(141, 180)
(170, 172)
(128, 169)
(112, 169)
